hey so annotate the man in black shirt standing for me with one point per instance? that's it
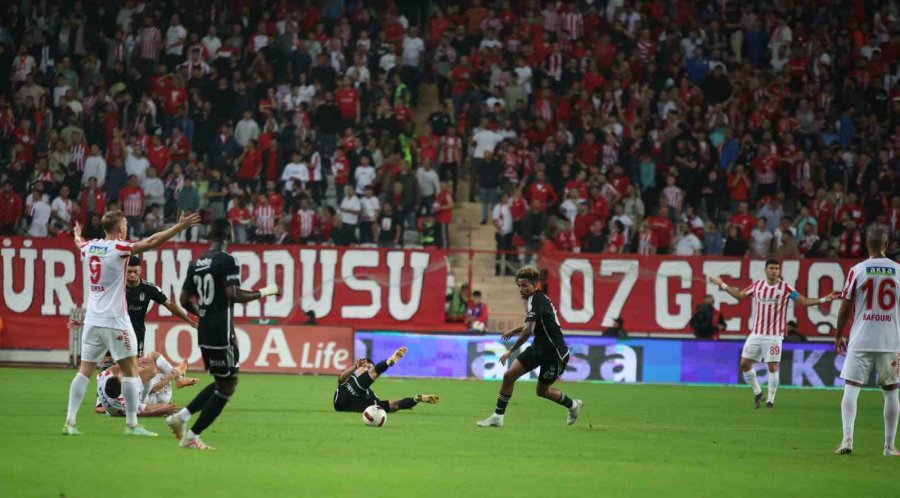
(138, 294)
(211, 288)
(548, 351)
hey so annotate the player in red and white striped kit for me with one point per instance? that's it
(872, 290)
(768, 324)
(107, 326)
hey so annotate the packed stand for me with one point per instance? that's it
(291, 119)
(747, 129)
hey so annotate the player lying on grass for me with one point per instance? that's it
(768, 324)
(353, 393)
(548, 351)
(156, 374)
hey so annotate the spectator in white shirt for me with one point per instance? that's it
(136, 164)
(154, 189)
(247, 129)
(349, 213)
(370, 207)
(61, 209)
(429, 185)
(761, 239)
(94, 167)
(364, 175)
(176, 35)
(687, 244)
(40, 215)
(212, 43)
(295, 171)
(503, 223)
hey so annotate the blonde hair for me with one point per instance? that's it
(529, 273)
(111, 220)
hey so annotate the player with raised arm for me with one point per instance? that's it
(871, 290)
(139, 293)
(548, 351)
(353, 393)
(768, 324)
(214, 282)
(107, 326)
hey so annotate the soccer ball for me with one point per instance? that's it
(374, 416)
(478, 326)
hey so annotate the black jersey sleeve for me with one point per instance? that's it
(189, 284)
(156, 294)
(232, 271)
(535, 308)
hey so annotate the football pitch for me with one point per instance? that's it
(279, 436)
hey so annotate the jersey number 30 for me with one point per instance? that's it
(205, 289)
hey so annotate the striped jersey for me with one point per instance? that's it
(873, 287)
(768, 315)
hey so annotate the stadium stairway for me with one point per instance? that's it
(467, 232)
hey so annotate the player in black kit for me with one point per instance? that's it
(138, 294)
(214, 281)
(353, 393)
(548, 351)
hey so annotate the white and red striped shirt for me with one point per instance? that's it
(610, 155)
(151, 39)
(768, 315)
(450, 150)
(555, 66)
(647, 243)
(573, 22)
(265, 219)
(132, 201)
(306, 221)
(79, 155)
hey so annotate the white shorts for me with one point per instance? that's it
(766, 348)
(96, 341)
(858, 365)
(164, 395)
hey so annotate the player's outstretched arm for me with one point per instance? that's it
(237, 295)
(527, 331)
(813, 301)
(76, 233)
(840, 343)
(177, 311)
(732, 291)
(157, 239)
(512, 333)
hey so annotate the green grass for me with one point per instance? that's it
(280, 437)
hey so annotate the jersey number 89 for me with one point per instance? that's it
(205, 289)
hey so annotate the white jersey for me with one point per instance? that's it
(768, 315)
(874, 289)
(103, 264)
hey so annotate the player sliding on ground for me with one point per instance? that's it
(768, 324)
(353, 393)
(548, 351)
(156, 374)
(214, 281)
(872, 290)
(106, 323)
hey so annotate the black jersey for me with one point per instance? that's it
(207, 279)
(548, 337)
(355, 393)
(138, 298)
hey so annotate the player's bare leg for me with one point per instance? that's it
(848, 416)
(891, 414)
(131, 391)
(515, 371)
(77, 389)
(773, 384)
(546, 390)
(750, 378)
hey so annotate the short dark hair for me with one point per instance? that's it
(113, 387)
(773, 261)
(219, 230)
(476, 294)
(134, 261)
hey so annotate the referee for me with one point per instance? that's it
(138, 294)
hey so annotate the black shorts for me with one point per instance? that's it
(552, 367)
(349, 399)
(221, 362)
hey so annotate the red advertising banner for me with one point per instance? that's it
(262, 348)
(660, 293)
(42, 279)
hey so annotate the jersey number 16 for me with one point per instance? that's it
(887, 294)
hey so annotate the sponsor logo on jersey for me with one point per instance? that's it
(880, 270)
(98, 250)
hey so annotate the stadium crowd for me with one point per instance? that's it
(652, 127)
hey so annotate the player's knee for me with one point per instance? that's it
(773, 367)
(509, 376)
(542, 390)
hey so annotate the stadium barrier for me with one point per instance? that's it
(605, 359)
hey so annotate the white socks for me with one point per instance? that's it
(773, 386)
(184, 415)
(163, 365)
(131, 391)
(848, 410)
(750, 378)
(891, 412)
(76, 396)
